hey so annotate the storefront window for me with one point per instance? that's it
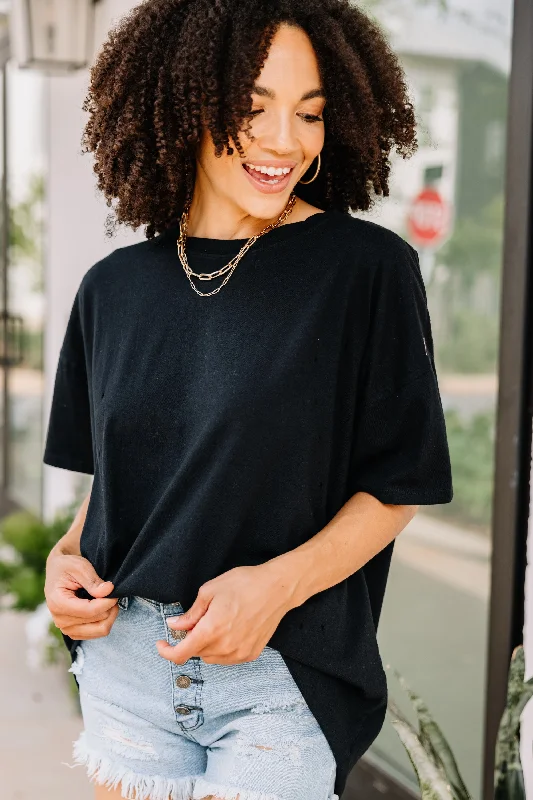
(26, 182)
(448, 201)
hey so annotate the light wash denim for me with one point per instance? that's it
(183, 732)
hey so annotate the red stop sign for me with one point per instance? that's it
(428, 218)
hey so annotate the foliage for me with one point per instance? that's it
(471, 346)
(508, 776)
(433, 760)
(476, 245)
(27, 542)
(471, 444)
(32, 348)
(26, 230)
(472, 259)
(429, 752)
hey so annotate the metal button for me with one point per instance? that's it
(183, 681)
(179, 635)
(183, 710)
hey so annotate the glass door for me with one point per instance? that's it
(22, 290)
(448, 202)
(5, 503)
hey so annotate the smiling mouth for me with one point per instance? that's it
(270, 176)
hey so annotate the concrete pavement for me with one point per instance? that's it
(38, 723)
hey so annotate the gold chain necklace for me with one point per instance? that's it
(230, 267)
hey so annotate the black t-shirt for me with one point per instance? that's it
(226, 430)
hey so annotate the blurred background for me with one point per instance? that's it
(443, 628)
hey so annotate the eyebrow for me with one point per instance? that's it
(264, 92)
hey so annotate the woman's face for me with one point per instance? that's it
(288, 131)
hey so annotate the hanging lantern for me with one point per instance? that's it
(52, 35)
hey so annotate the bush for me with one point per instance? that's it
(471, 444)
(26, 542)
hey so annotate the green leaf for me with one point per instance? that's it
(435, 744)
(508, 776)
(511, 786)
(431, 778)
(29, 541)
(28, 588)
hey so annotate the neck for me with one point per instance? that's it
(212, 217)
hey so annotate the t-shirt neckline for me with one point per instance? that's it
(285, 233)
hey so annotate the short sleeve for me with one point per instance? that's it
(400, 450)
(69, 436)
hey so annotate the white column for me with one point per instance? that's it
(76, 216)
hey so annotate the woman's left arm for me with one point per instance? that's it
(359, 530)
(236, 613)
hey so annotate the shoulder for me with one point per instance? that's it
(369, 237)
(371, 252)
(118, 267)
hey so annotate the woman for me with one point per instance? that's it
(253, 388)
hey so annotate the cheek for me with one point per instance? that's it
(219, 170)
(312, 137)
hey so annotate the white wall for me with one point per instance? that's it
(75, 226)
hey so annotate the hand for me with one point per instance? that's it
(231, 620)
(75, 617)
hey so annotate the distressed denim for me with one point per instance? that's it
(183, 732)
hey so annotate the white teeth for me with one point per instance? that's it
(270, 170)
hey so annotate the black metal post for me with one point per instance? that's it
(513, 429)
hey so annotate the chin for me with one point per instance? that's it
(264, 206)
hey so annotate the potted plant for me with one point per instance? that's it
(432, 757)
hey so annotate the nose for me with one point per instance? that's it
(279, 134)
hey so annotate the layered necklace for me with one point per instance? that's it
(230, 267)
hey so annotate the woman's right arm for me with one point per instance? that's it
(66, 572)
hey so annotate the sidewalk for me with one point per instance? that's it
(38, 724)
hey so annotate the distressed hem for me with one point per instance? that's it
(203, 788)
(134, 786)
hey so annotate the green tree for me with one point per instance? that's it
(473, 253)
(26, 230)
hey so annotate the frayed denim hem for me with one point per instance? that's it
(101, 770)
(203, 788)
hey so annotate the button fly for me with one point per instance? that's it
(183, 681)
(179, 635)
(183, 710)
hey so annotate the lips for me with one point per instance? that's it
(269, 177)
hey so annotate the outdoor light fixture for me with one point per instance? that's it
(52, 35)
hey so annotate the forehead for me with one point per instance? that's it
(291, 61)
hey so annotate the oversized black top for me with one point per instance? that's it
(226, 430)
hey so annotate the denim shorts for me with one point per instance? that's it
(163, 731)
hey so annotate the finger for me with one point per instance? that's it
(63, 602)
(192, 645)
(91, 630)
(78, 573)
(190, 618)
(62, 620)
(82, 571)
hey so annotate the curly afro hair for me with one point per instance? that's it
(171, 66)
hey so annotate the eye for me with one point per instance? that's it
(311, 118)
(255, 112)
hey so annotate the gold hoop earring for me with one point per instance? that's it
(315, 175)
